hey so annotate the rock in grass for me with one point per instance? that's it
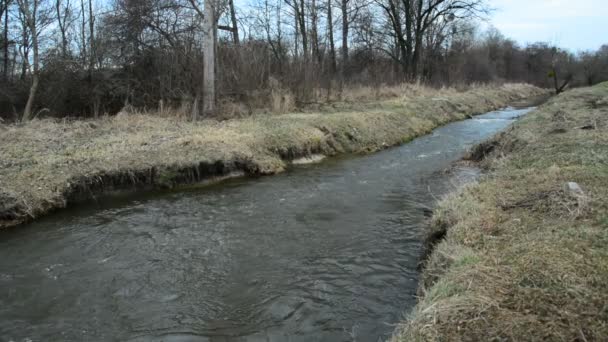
(573, 189)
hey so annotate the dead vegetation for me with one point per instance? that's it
(48, 163)
(525, 254)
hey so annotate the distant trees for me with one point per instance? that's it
(208, 57)
(594, 65)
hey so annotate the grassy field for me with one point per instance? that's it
(47, 164)
(525, 253)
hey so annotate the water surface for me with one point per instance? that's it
(325, 252)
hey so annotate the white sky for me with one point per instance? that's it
(572, 24)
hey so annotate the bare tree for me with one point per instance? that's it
(209, 39)
(30, 11)
(92, 50)
(345, 27)
(270, 20)
(411, 19)
(330, 32)
(235, 26)
(61, 14)
(299, 13)
(83, 33)
(349, 10)
(560, 69)
(314, 32)
(5, 8)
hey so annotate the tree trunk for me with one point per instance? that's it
(92, 41)
(296, 24)
(27, 112)
(409, 20)
(416, 58)
(26, 50)
(62, 28)
(314, 32)
(332, 47)
(30, 18)
(395, 14)
(3, 7)
(195, 108)
(418, 33)
(5, 70)
(83, 32)
(344, 8)
(235, 26)
(209, 58)
(280, 51)
(303, 33)
(559, 89)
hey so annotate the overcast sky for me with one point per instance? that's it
(573, 24)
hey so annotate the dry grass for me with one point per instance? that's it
(525, 258)
(45, 164)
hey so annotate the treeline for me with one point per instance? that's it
(85, 58)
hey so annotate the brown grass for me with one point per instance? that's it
(46, 164)
(525, 258)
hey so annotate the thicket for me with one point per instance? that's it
(84, 59)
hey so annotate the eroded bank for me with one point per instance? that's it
(48, 164)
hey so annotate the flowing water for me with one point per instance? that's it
(324, 252)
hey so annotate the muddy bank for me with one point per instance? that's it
(47, 164)
(521, 256)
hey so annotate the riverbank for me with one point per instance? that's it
(523, 254)
(48, 164)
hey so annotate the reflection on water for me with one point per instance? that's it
(325, 252)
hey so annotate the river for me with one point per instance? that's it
(322, 252)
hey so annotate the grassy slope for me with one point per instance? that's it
(45, 164)
(525, 259)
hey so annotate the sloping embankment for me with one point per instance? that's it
(46, 164)
(525, 253)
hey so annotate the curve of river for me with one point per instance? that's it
(324, 252)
